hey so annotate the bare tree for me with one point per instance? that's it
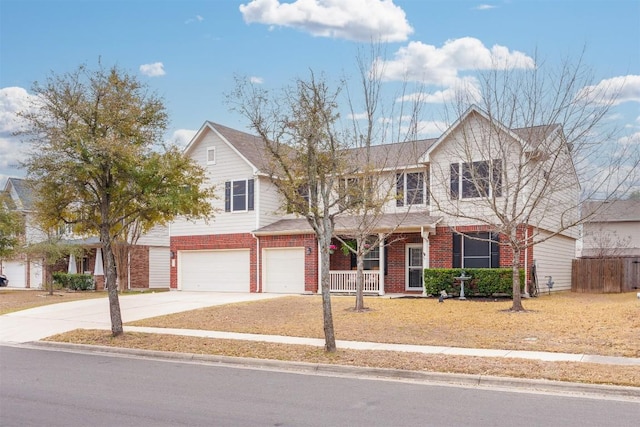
(305, 158)
(367, 193)
(605, 243)
(536, 141)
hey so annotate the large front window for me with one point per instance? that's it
(410, 189)
(476, 179)
(476, 250)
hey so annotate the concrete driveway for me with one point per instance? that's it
(41, 322)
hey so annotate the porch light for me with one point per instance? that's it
(308, 250)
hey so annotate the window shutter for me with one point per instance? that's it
(250, 195)
(399, 189)
(227, 196)
(457, 251)
(495, 250)
(455, 177)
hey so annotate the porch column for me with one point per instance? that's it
(425, 257)
(381, 251)
(319, 278)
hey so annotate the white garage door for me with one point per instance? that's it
(217, 270)
(283, 270)
(16, 273)
(159, 261)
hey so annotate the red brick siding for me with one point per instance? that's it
(441, 247)
(139, 267)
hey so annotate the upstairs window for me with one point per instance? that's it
(238, 195)
(410, 189)
(476, 179)
(211, 155)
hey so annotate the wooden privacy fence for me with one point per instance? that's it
(605, 275)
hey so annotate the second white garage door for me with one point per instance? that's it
(283, 270)
(216, 270)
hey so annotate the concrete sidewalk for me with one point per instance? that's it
(38, 323)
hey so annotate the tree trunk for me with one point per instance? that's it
(329, 334)
(360, 277)
(515, 269)
(110, 281)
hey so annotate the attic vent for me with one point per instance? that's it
(211, 155)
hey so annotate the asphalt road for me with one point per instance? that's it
(59, 388)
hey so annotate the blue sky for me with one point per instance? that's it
(189, 51)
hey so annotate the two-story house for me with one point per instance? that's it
(253, 245)
(148, 265)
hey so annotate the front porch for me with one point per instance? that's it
(344, 281)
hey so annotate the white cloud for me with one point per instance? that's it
(633, 139)
(358, 20)
(197, 18)
(440, 66)
(465, 89)
(153, 70)
(616, 90)
(485, 7)
(256, 80)
(12, 149)
(182, 137)
(431, 129)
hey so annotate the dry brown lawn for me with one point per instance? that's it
(566, 322)
(15, 300)
(563, 322)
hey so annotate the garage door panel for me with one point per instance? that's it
(283, 270)
(16, 273)
(215, 270)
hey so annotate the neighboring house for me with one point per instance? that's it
(611, 229)
(22, 271)
(149, 258)
(252, 245)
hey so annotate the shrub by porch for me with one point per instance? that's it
(484, 282)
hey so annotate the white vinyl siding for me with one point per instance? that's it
(553, 258)
(229, 167)
(157, 236)
(159, 268)
(214, 270)
(283, 270)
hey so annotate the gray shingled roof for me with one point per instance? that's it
(407, 222)
(383, 156)
(611, 211)
(23, 190)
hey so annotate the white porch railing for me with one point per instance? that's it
(345, 281)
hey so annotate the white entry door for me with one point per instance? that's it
(414, 267)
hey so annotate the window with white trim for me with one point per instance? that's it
(238, 195)
(411, 189)
(211, 155)
(476, 179)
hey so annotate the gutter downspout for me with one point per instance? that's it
(527, 279)
(258, 290)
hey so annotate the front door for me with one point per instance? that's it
(414, 267)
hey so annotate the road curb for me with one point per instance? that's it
(464, 380)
